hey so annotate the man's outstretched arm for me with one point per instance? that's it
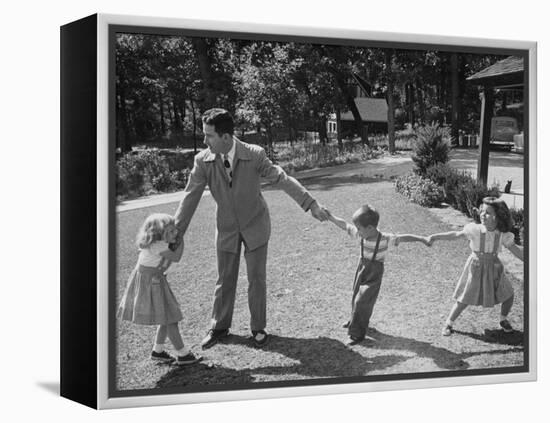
(277, 176)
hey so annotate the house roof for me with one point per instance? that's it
(370, 109)
(509, 70)
(363, 84)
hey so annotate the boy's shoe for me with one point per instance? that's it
(259, 337)
(162, 357)
(354, 340)
(447, 330)
(346, 324)
(188, 359)
(506, 326)
(212, 337)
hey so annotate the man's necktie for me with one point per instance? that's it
(228, 170)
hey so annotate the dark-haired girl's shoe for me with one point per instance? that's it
(506, 326)
(447, 330)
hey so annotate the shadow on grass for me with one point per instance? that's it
(496, 336)
(317, 357)
(204, 374)
(442, 357)
(320, 358)
(324, 357)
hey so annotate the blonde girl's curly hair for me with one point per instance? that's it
(153, 229)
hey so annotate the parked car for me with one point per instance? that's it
(503, 129)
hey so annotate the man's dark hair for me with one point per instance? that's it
(220, 119)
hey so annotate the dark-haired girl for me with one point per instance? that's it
(483, 281)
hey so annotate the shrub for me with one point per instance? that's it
(461, 190)
(180, 178)
(431, 147)
(470, 196)
(419, 190)
(518, 225)
(307, 156)
(145, 171)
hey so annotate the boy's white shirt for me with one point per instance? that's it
(370, 245)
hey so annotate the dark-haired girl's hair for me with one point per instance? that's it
(502, 212)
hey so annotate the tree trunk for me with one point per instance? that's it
(410, 102)
(123, 130)
(171, 115)
(442, 98)
(391, 118)
(322, 127)
(194, 113)
(455, 103)
(421, 106)
(391, 106)
(177, 120)
(161, 109)
(487, 103)
(208, 99)
(339, 130)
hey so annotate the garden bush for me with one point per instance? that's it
(461, 190)
(518, 225)
(308, 156)
(431, 147)
(420, 190)
(146, 171)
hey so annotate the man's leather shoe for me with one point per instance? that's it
(259, 337)
(212, 337)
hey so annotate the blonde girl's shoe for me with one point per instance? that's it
(188, 359)
(162, 357)
(447, 330)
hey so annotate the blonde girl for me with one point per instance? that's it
(483, 281)
(148, 299)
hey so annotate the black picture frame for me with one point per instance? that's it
(88, 133)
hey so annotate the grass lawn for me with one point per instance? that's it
(310, 273)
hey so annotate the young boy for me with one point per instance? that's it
(374, 246)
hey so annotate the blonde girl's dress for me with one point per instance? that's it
(148, 299)
(483, 281)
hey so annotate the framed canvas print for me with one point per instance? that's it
(254, 211)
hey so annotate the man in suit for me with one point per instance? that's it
(233, 171)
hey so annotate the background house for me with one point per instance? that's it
(373, 111)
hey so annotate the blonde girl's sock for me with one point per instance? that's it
(503, 317)
(158, 348)
(182, 352)
(449, 322)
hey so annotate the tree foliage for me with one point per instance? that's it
(164, 83)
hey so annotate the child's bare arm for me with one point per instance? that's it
(173, 256)
(446, 236)
(411, 238)
(341, 223)
(515, 250)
